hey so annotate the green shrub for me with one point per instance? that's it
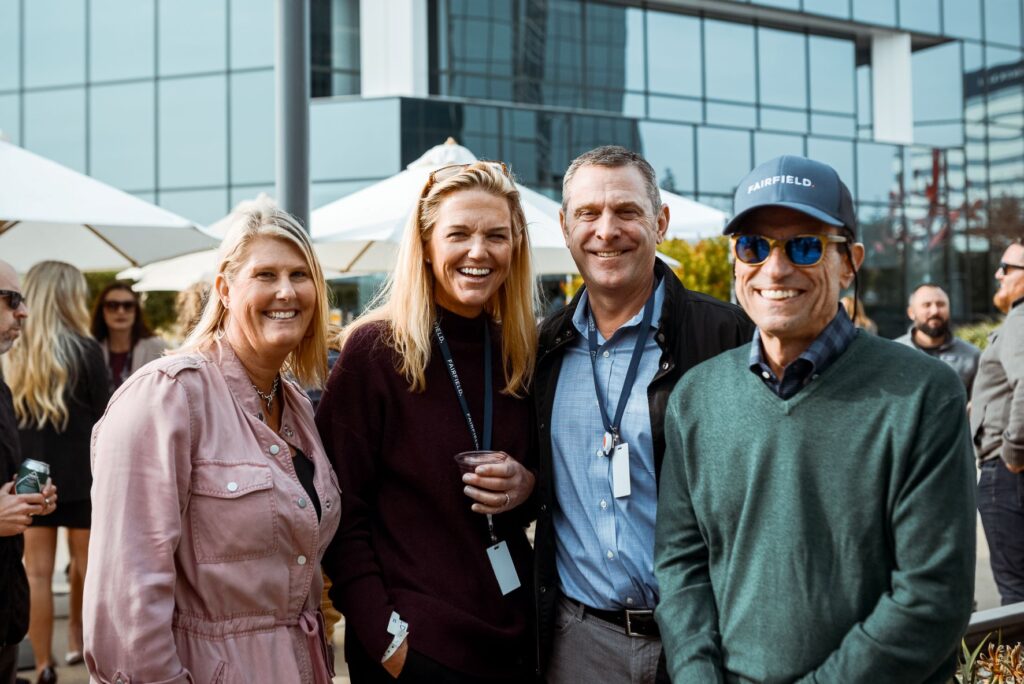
(977, 333)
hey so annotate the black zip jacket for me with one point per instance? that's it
(693, 328)
(13, 582)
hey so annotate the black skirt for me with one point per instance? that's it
(73, 514)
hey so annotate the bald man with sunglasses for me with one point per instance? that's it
(816, 510)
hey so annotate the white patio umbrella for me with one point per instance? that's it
(48, 211)
(361, 232)
(690, 220)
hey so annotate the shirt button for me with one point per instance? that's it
(232, 486)
(814, 377)
(301, 560)
(274, 449)
(301, 502)
(766, 375)
(600, 452)
(604, 504)
(606, 354)
(610, 555)
(629, 602)
(327, 503)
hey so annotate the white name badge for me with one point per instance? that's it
(620, 471)
(504, 569)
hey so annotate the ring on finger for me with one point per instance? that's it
(508, 499)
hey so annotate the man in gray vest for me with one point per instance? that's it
(997, 427)
(928, 311)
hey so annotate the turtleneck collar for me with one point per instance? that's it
(455, 325)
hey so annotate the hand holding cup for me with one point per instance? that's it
(495, 481)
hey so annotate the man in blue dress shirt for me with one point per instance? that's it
(606, 365)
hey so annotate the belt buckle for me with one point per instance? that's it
(629, 621)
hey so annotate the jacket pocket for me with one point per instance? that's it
(232, 511)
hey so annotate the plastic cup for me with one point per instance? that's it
(469, 460)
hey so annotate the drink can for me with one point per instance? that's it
(32, 477)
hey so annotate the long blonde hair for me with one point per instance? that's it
(406, 302)
(251, 220)
(50, 354)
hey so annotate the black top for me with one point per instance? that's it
(305, 470)
(67, 451)
(14, 594)
(408, 540)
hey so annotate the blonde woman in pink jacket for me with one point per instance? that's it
(213, 499)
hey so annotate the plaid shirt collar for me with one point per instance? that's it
(828, 347)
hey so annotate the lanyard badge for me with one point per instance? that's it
(611, 443)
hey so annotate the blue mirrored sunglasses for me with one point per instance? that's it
(801, 250)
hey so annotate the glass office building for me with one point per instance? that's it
(919, 104)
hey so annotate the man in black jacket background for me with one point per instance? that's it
(606, 365)
(16, 510)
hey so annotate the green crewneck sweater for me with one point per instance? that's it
(826, 538)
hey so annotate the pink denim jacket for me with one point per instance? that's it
(204, 561)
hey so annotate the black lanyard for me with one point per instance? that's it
(612, 427)
(449, 363)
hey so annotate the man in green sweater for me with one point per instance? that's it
(816, 514)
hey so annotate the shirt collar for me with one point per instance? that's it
(826, 348)
(579, 317)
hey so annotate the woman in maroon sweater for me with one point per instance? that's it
(432, 568)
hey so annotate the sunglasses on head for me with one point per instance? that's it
(1004, 267)
(446, 172)
(14, 299)
(801, 250)
(113, 306)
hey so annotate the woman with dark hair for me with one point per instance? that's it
(119, 326)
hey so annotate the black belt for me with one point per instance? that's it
(634, 622)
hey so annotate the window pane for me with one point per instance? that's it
(673, 54)
(325, 193)
(1002, 21)
(614, 43)
(251, 192)
(732, 115)
(192, 36)
(878, 171)
(783, 120)
(563, 58)
(193, 132)
(54, 42)
(833, 8)
(831, 124)
(785, 4)
(1005, 91)
(938, 90)
(669, 149)
(962, 18)
(729, 60)
(875, 11)
(122, 144)
(375, 152)
(252, 34)
(252, 127)
(10, 118)
(54, 126)
(202, 206)
(783, 66)
(974, 82)
(723, 158)
(920, 15)
(832, 74)
(121, 39)
(675, 108)
(10, 44)
(770, 145)
(836, 153)
(865, 116)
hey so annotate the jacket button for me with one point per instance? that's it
(541, 426)
(232, 486)
(543, 590)
(301, 502)
(664, 366)
(274, 449)
(543, 508)
(301, 560)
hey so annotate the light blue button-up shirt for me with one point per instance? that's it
(605, 546)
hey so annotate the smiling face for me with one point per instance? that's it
(470, 250)
(10, 319)
(791, 305)
(270, 300)
(610, 229)
(119, 310)
(1011, 282)
(929, 310)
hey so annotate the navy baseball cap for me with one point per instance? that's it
(808, 186)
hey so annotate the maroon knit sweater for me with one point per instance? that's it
(408, 540)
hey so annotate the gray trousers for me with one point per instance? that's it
(8, 663)
(588, 649)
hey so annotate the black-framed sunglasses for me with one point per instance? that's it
(1004, 267)
(446, 172)
(801, 250)
(112, 306)
(14, 299)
